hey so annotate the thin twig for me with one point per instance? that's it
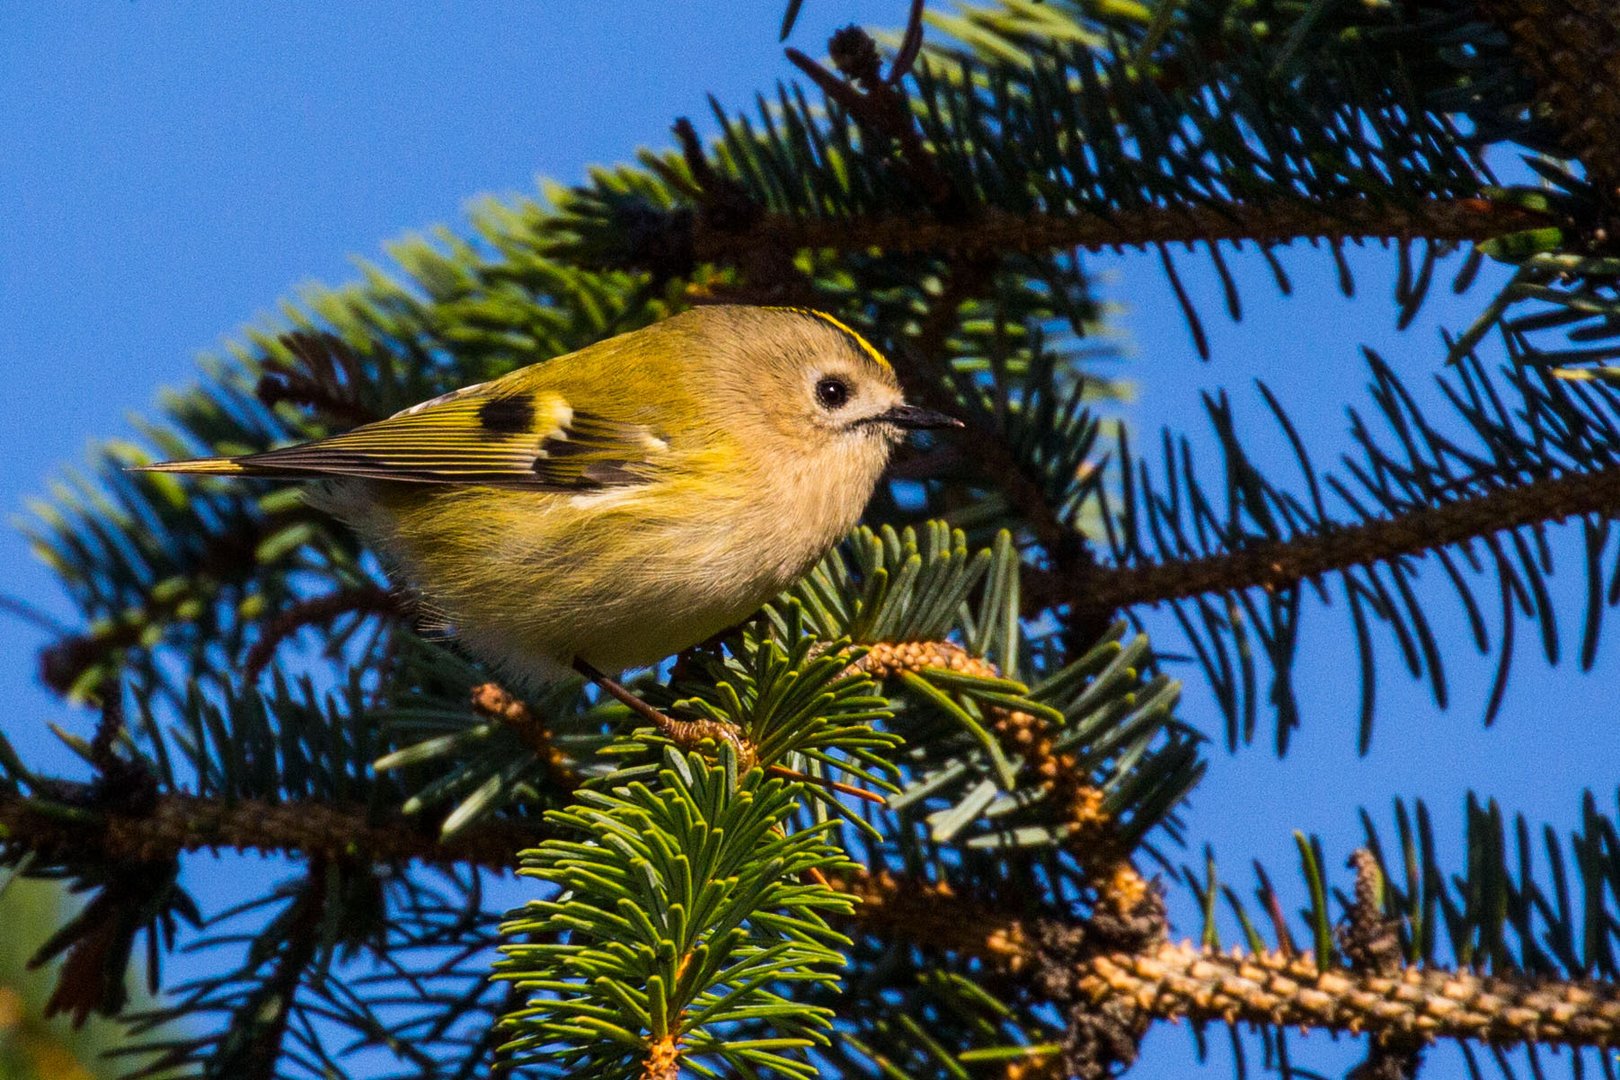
(495, 701)
(821, 781)
(358, 600)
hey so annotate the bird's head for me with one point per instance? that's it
(805, 386)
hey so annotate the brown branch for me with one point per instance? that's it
(1398, 1005)
(1174, 982)
(931, 915)
(662, 1061)
(953, 227)
(1281, 564)
(1042, 954)
(181, 823)
(1165, 981)
(994, 234)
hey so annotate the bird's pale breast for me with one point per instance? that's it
(622, 577)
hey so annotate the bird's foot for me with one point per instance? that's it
(687, 734)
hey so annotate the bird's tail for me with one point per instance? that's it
(213, 466)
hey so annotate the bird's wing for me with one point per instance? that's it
(485, 435)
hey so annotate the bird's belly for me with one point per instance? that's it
(620, 609)
(619, 584)
(642, 638)
(634, 618)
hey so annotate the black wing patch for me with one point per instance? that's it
(533, 440)
(507, 415)
(590, 454)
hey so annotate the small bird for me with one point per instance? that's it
(608, 508)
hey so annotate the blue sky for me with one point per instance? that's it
(172, 171)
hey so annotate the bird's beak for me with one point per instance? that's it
(912, 418)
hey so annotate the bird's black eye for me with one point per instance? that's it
(832, 393)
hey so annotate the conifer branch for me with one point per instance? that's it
(276, 996)
(494, 701)
(1168, 981)
(679, 914)
(1400, 1006)
(1274, 565)
(181, 823)
(994, 234)
(1371, 941)
(884, 114)
(360, 600)
(1564, 45)
(1073, 801)
(697, 912)
(1175, 982)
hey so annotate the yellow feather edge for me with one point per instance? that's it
(218, 466)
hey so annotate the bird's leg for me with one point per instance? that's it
(686, 734)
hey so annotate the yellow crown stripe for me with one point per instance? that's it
(838, 324)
